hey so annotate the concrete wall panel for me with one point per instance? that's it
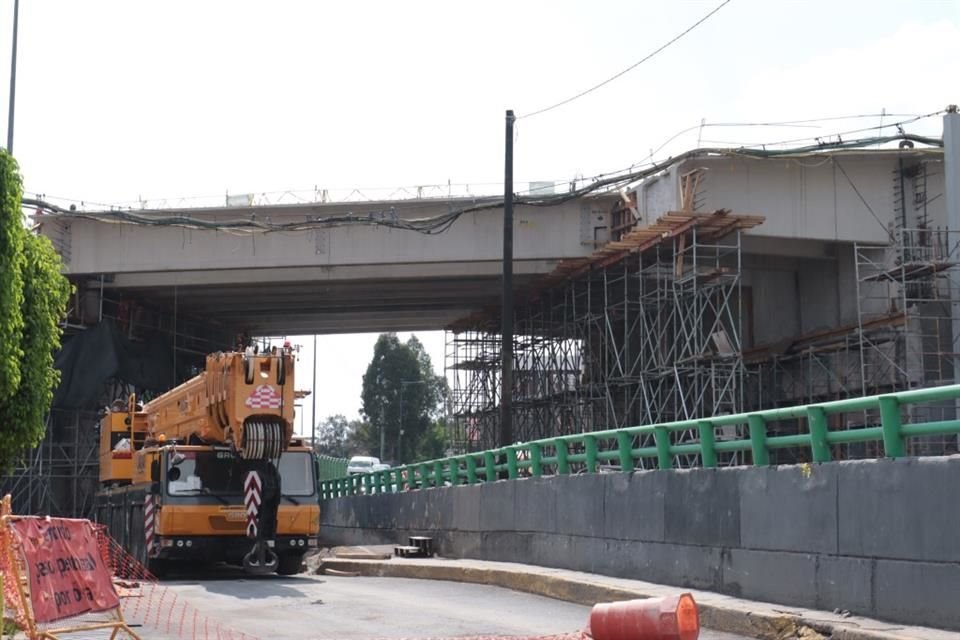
(702, 507)
(845, 584)
(634, 506)
(782, 509)
(496, 506)
(900, 509)
(507, 546)
(771, 576)
(580, 504)
(687, 566)
(918, 592)
(535, 505)
(466, 508)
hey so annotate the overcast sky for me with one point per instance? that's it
(124, 100)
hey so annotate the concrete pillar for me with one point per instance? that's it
(951, 156)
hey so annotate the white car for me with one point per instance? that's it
(362, 464)
(380, 466)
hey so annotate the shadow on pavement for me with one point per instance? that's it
(232, 581)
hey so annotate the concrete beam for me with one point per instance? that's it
(541, 233)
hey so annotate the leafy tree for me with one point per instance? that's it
(433, 442)
(12, 234)
(32, 302)
(400, 384)
(333, 436)
(361, 435)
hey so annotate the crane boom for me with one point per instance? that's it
(244, 400)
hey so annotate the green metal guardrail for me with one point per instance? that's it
(329, 468)
(617, 445)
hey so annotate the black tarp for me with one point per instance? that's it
(91, 358)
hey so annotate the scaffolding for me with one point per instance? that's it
(647, 330)
(912, 284)
(60, 476)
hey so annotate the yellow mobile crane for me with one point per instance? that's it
(209, 471)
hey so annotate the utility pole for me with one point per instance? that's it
(383, 437)
(951, 169)
(313, 398)
(403, 385)
(506, 311)
(13, 78)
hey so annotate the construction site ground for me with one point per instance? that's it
(718, 612)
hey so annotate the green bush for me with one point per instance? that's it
(33, 299)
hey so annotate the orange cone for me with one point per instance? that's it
(672, 618)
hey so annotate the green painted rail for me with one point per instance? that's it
(617, 447)
(329, 468)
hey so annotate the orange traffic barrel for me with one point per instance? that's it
(671, 618)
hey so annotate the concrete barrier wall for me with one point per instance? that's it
(879, 538)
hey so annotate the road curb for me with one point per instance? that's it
(767, 626)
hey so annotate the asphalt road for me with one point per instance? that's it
(345, 608)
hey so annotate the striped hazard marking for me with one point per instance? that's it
(149, 522)
(264, 397)
(252, 489)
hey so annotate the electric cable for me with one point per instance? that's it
(439, 223)
(630, 68)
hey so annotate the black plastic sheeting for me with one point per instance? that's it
(91, 358)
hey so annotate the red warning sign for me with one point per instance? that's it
(67, 575)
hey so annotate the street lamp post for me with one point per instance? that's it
(403, 385)
(13, 78)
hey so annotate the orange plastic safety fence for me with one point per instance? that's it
(149, 604)
(579, 635)
(11, 594)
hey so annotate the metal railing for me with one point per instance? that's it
(621, 448)
(329, 468)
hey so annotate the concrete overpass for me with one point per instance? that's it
(356, 275)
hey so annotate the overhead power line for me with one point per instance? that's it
(631, 67)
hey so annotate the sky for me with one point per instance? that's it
(119, 101)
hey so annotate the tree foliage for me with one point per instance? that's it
(12, 234)
(400, 385)
(29, 329)
(335, 436)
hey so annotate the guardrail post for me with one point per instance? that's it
(454, 471)
(535, 469)
(425, 476)
(511, 462)
(563, 467)
(366, 483)
(438, 473)
(490, 465)
(708, 442)
(891, 423)
(591, 446)
(662, 437)
(625, 447)
(758, 439)
(471, 469)
(817, 424)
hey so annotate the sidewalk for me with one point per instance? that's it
(717, 611)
